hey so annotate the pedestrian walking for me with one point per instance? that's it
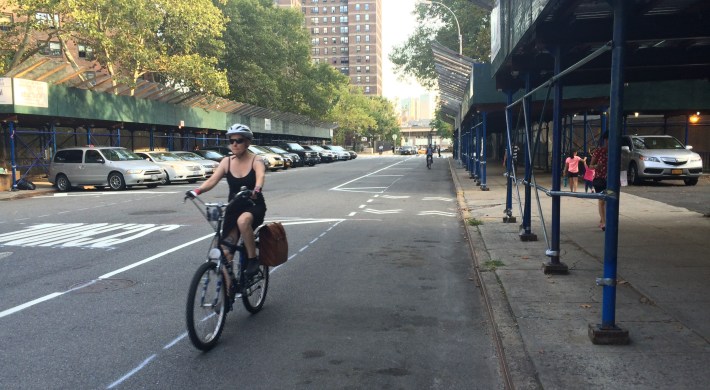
(571, 169)
(599, 164)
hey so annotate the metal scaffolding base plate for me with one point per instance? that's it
(509, 220)
(612, 336)
(528, 237)
(555, 268)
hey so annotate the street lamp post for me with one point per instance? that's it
(458, 28)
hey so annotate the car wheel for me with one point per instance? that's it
(691, 182)
(192, 181)
(152, 185)
(116, 182)
(166, 179)
(633, 175)
(62, 183)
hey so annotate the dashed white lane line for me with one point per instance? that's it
(352, 214)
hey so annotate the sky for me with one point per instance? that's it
(398, 23)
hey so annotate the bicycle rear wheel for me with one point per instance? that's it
(206, 308)
(254, 295)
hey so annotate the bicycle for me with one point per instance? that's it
(429, 160)
(215, 286)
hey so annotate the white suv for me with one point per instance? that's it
(112, 167)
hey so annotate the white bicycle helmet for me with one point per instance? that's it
(242, 130)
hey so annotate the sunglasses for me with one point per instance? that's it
(237, 141)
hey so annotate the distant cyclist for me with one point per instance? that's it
(429, 156)
(243, 168)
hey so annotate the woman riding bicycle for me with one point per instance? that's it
(242, 168)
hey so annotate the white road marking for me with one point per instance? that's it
(352, 214)
(442, 213)
(341, 187)
(373, 211)
(130, 374)
(438, 198)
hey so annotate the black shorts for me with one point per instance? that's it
(234, 210)
(599, 185)
(573, 174)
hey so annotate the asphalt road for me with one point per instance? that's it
(675, 192)
(377, 292)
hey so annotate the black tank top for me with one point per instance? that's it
(236, 183)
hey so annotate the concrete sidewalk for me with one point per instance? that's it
(663, 295)
(42, 188)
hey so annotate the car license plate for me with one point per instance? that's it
(154, 177)
(676, 171)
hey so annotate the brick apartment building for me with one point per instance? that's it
(346, 34)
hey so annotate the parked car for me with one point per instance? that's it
(223, 150)
(293, 157)
(210, 154)
(208, 166)
(174, 167)
(341, 153)
(325, 155)
(100, 167)
(659, 157)
(272, 160)
(353, 154)
(407, 150)
(308, 157)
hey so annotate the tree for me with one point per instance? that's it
(268, 62)
(414, 57)
(178, 40)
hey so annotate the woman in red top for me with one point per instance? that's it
(572, 170)
(599, 163)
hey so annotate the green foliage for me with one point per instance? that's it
(175, 39)
(414, 57)
(474, 222)
(268, 62)
(492, 265)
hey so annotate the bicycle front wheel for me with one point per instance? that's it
(206, 308)
(254, 294)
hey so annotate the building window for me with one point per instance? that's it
(367, 69)
(344, 50)
(367, 17)
(357, 7)
(332, 19)
(367, 58)
(325, 19)
(50, 20)
(358, 79)
(367, 27)
(50, 49)
(314, 10)
(367, 7)
(357, 18)
(367, 89)
(335, 40)
(367, 48)
(357, 48)
(357, 39)
(343, 39)
(85, 52)
(358, 69)
(344, 9)
(357, 28)
(91, 76)
(344, 29)
(343, 19)
(367, 79)
(5, 22)
(332, 10)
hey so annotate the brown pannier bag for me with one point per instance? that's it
(273, 245)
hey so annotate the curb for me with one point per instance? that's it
(517, 368)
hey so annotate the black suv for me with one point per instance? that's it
(307, 156)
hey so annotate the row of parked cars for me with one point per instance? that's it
(118, 168)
